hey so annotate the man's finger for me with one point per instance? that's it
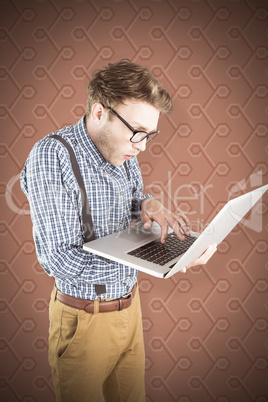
(210, 251)
(147, 222)
(164, 231)
(184, 217)
(179, 227)
(203, 259)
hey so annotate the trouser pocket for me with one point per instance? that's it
(63, 329)
(68, 332)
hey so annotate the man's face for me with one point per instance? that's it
(113, 137)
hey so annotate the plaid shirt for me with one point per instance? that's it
(56, 211)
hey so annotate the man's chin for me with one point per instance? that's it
(117, 163)
(120, 161)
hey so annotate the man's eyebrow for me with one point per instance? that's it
(139, 126)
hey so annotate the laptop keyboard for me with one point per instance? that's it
(161, 254)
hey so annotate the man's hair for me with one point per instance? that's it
(125, 80)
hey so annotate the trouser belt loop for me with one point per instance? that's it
(96, 306)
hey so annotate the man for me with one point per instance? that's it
(92, 345)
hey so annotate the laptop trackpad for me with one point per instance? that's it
(138, 233)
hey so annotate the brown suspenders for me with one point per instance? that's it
(86, 214)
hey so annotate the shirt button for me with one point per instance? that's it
(121, 222)
(121, 193)
(105, 171)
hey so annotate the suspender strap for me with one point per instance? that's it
(86, 214)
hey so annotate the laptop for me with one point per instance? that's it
(141, 248)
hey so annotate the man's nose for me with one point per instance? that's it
(141, 146)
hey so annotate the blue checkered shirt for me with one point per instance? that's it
(56, 211)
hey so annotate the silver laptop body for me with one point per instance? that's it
(121, 246)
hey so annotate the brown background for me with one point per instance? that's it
(205, 331)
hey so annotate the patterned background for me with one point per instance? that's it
(205, 331)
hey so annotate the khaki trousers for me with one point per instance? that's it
(91, 353)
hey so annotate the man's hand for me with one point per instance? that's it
(203, 259)
(152, 210)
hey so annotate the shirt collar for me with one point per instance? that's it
(84, 140)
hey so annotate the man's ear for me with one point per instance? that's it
(97, 113)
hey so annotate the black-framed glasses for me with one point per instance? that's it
(138, 135)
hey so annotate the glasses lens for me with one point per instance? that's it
(152, 136)
(141, 135)
(138, 137)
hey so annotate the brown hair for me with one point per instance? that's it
(124, 80)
